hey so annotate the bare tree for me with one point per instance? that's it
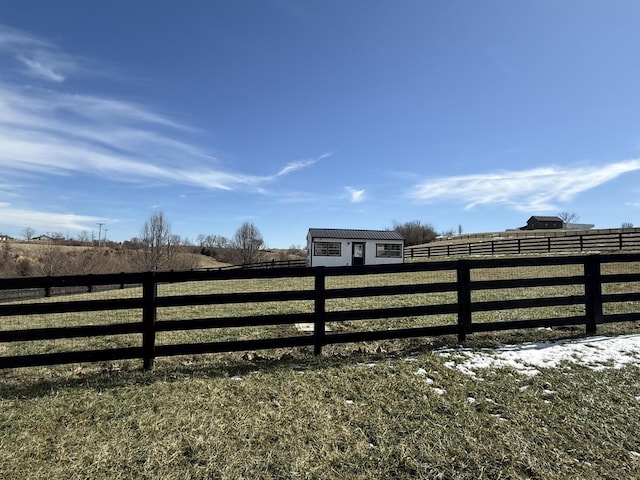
(84, 237)
(159, 246)
(28, 232)
(7, 265)
(53, 260)
(415, 232)
(248, 244)
(626, 225)
(568, 217)
(212, 241)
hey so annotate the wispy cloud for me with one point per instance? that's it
(538, 189)
(299, 165)
(35, 56)
(45, 220)
(42, 69)
(45, 131)
(355, 196)
(12, 39)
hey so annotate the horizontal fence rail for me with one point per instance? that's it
(334, 301)
(265, 264)
(566, 243)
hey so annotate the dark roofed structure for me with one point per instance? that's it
(355, 234)
(539, 222)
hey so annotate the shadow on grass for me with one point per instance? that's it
(38, 382)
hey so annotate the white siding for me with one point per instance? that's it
(346, 246)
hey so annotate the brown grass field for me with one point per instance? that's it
(358, 411)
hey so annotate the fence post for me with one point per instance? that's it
(149, 293)
(464, 299)
(593, 293)
(319, 311)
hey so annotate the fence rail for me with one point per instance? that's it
(265, 264)
(567, 243)
(460, 280)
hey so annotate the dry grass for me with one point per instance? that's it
(346, 417)
(287, 414)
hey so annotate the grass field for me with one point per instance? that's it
(339, 417)
(359, 411)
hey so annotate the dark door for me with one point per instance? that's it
(357, 257)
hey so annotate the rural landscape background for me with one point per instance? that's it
(149, 150)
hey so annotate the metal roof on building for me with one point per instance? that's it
(542, 218)
(355, 234)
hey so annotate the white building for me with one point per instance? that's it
(334, 247)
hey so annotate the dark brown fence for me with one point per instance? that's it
(593, 278)
(566, 243)
(258, 265)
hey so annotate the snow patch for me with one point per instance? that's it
(597, 353)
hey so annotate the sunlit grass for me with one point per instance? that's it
(346, 417)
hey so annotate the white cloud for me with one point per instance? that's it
(36, 57)
(43, 220)
(355, 196)
(11, 39)
(293, 166)
(538, 189)
(301, 164)
(39, 68)
(47, 131)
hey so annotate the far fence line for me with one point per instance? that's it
(30, 294)
(604, 242)
(585, 306)
(258, 265)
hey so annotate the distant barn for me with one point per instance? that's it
(335, 247)
(543, 223)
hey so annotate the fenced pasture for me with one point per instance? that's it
(533, 242)
(160, 314)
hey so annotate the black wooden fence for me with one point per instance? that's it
(589, 282)
(259, 265)
(566, 243)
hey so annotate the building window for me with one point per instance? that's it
(389, 250)
(327, 249)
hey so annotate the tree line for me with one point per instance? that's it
(156, 248)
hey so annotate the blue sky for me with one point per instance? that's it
(294, 114)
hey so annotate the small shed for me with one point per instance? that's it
(335, 247)
(543, 223)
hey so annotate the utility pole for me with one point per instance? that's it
(100, 233)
